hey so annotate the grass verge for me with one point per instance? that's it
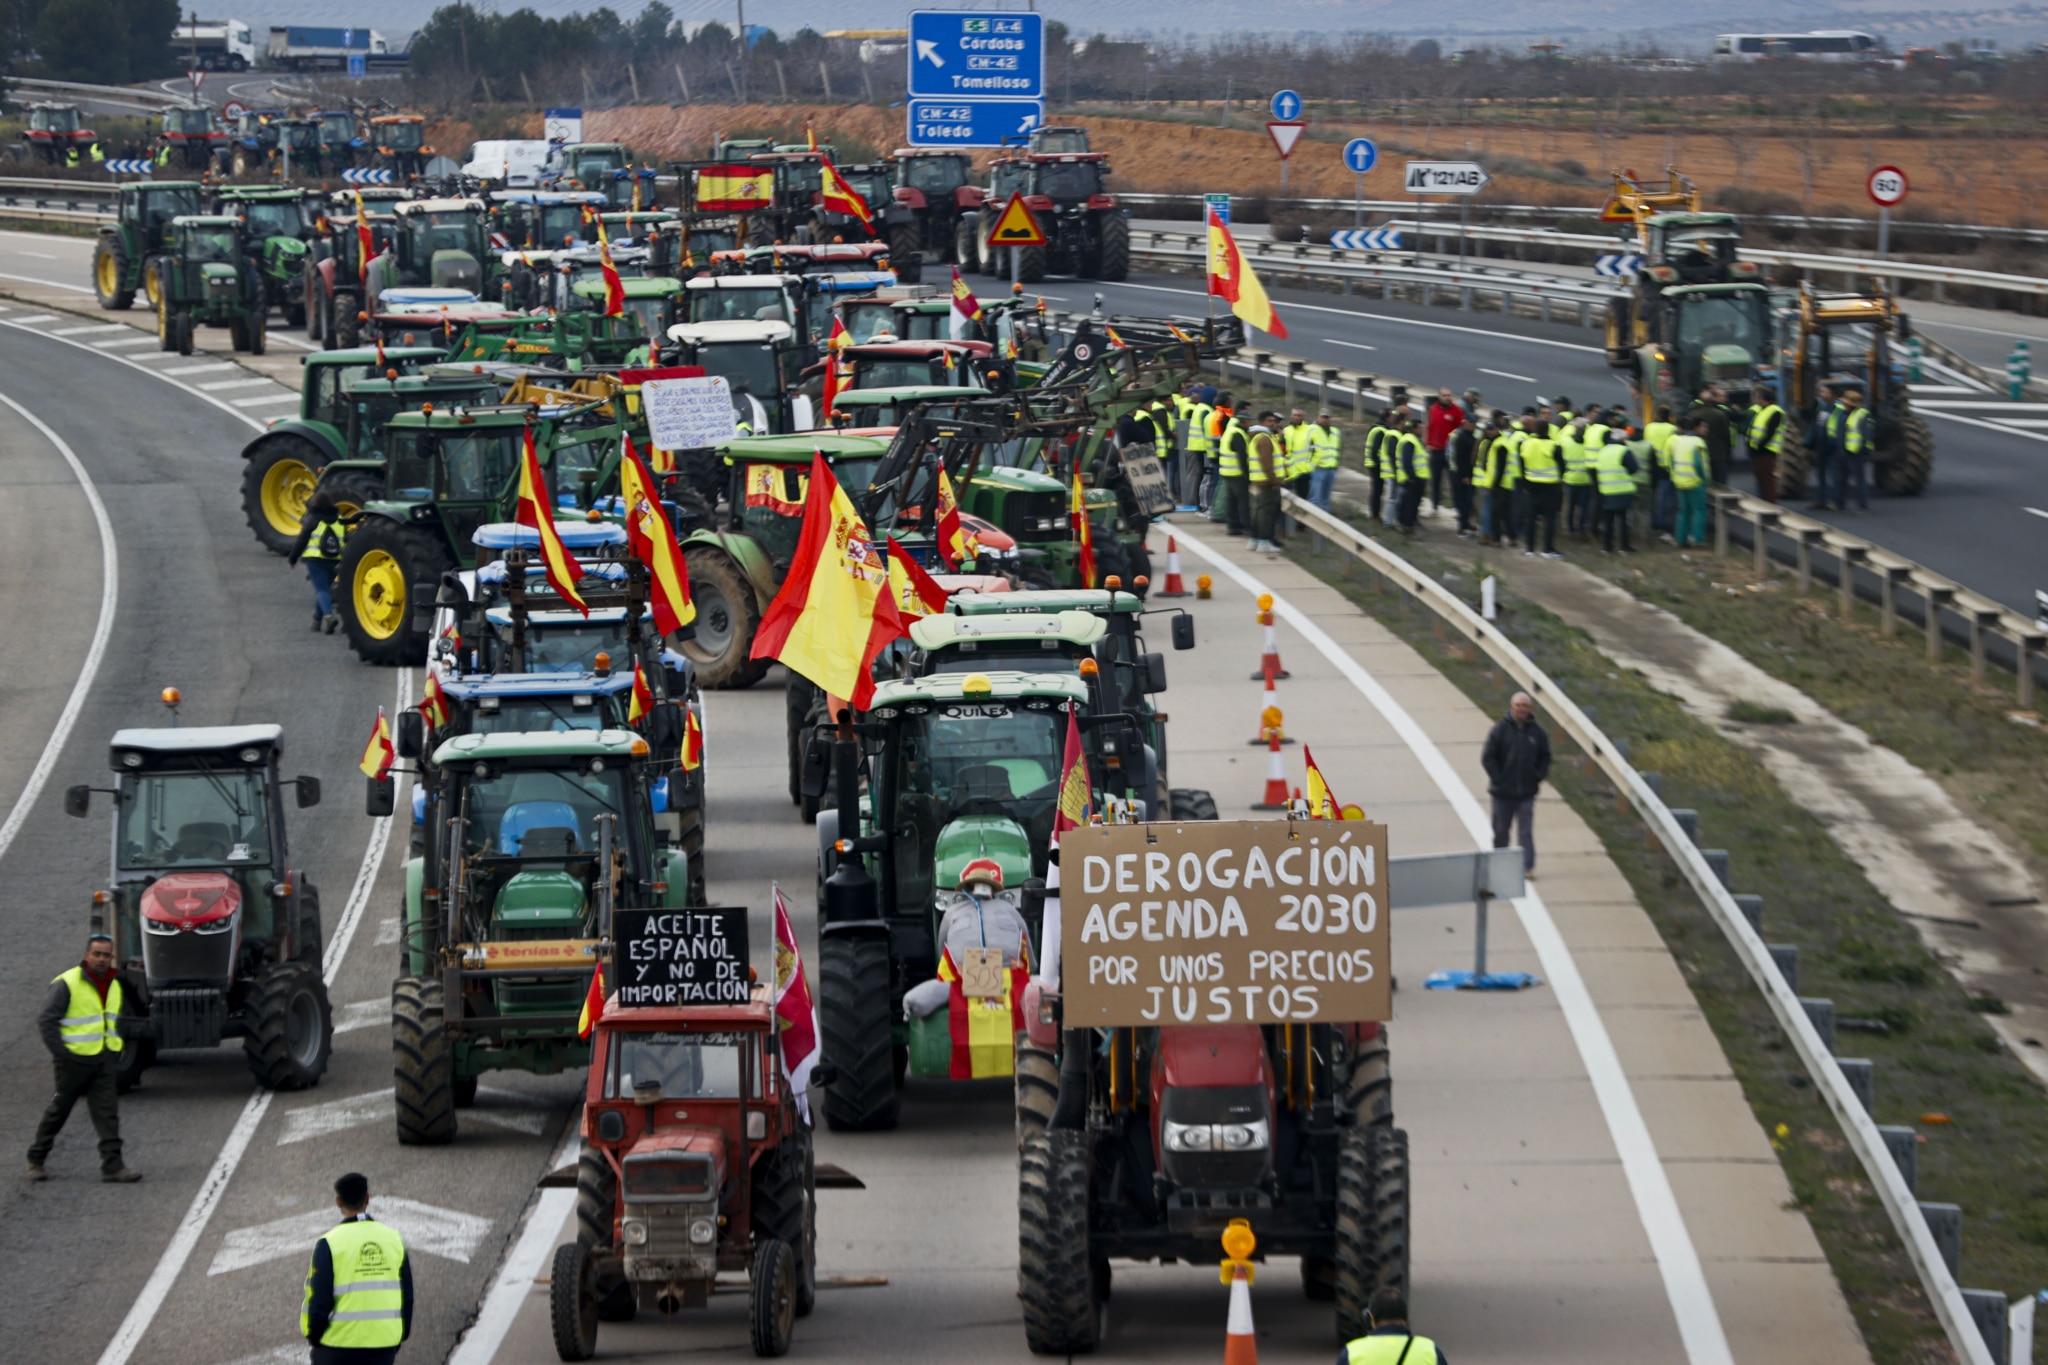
(1939, 1068)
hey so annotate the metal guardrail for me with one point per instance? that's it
(58, 201)
(1858, 1127)
(147, 98)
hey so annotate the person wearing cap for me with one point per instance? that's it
(1388, 1339)
(1265, 472)
(1849, 432)
(1328, 445)
(80, 1026)
(1765, 436)
(358, 1304)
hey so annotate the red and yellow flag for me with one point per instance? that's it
(378, 753)
(653, 542)
(593, 1003)
(835, 612)
(915, 591)
(1322, 802)
(839, 197)
(614, 287)
(954, 544)
(365, 241)
(1116, 342)
(1232, 279)
(835, 381)
(734, 188)
(641, 704)
(433, 707)
(693, 741)
(966, 307)
(1072, 811)
(810, 135)
(536, 509)
(1084, 534)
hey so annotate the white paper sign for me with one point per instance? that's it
(688, 414)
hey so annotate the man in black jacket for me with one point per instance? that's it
(81, 1026)
(1517, 759)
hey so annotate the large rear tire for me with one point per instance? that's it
(727, 616)
(1038, 1090)
(1907, 476)
(1190, 803)
(1369, 1088)
(785, 1207)
(906, 252)
(279, 474)
(1372, 1222)
(1056, 1280)
(347, 327)
(1795, 463)
(291, 1028)
(572, 1302)
(967, 245)
(771, 1297)
(386, 570)
(1113, 259)
(422, 1064)
(110, 275)
(1031, 262)
(351, 489)
(854, 1016)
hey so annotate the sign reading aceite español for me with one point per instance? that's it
(1255, 921)
(680, 957)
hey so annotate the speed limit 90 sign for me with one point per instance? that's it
(1887, 186)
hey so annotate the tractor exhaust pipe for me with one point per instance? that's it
(668, 1302)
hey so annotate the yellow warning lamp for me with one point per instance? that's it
(976, 683)
(1239, 1242)
(602, 665)
(172, 697)
(638, 747)
(1141, 581)
(1089, 668)
(1113, 582)
(1203, 587)
(1265, 601)
(1270, 718)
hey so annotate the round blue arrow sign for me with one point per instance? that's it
(1360, 154)
(1286, 106)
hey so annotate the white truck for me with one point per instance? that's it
(306, 47)
(214, 45)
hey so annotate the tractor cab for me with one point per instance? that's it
(1696, 248)
(54, 131)
(210, 277)
(339, 138)
(398, 143)
(1050, 141)
(759, 363)
(652, 301)
(269, 212)
(745, 298)
(826, 292)
(932, 176)
(193, 136)
(588, 165)
(1710, 334)
(439, 243)
(300, 134)
(900, 364)
(543, 220)
(885, 319)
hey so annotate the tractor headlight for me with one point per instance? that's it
(1188, 1137)
(634, 1231)
(703, 1231)
(1217, 1137)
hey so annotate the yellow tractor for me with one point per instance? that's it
(1846, 339)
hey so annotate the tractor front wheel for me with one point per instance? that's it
(727, 616)
(597, 1189)
(279, 473)
(1796, 474)
(166, 324)
(785, 1207)
(291, 1028)
(859, 1036)
(422, 1063)
(1190, 803)
(572, 1302)
(1372, 1222)
(152, 281)
(1038, 1090)
(110, 275)
(387, 571)
(1057, 1277)
(771, 1297)
(1113, 246)
(345, 327)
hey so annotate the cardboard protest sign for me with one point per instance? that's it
(680, 957)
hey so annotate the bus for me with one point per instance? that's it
(1822, 45)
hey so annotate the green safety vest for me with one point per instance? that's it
(1539, 459)
(1614, 478)
(1659, 435)
(1412, 459)
(1687, 455)
(1198, 427)
(88, 1025)
(1327, 444)
(1388, 1349)
(1231, 446)
(1767, 429)
(1578, 464)
(369, 1297)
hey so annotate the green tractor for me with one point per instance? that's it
(530, 842)
(345, 399)
(438, 244)
(281, 230)
(129, 248)
(209, 276)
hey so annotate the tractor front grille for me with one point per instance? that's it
(188, 1018)
(668, 1252)
(1035, 518)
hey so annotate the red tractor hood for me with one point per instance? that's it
(186, 900)
(676, 1163)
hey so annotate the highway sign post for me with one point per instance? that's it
(971, 123)
(1361, 155)
(1462, 178)
(562, 125)
(1016, 229)
(1218, 204)
(1285, 136)
(1887, 186)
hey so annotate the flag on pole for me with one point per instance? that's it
(954, 542)
(1322, 802)
(366, 242)
(433, 707)
(693, 741)
(796, 1015)
(839, 197)
(966, 308)
(1232, 279)
(811, 134)
(593, 1003)
(1072, 810)
(614, 287)
(915, 592)
(642, 702)
(536, 509)
(1084, 534)
(835, 612)
(378, 753)
(653, 542)
(834, 381)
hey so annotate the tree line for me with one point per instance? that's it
(104, 42)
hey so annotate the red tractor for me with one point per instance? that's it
(1087, 233)
(56, 134)
(1144, 1144)
(696, 1160)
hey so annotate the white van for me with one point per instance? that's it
(514, 165)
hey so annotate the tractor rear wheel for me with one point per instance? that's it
(906, 252)
(1906, 476)
(279, 473)
(1190, 803)
(422, 1063)
(1372, 1222)
(785, 1207)
(1796, 474)
(1031, 262)
(967, 245)
(1113, 252)
(855, 1019)
(771, 1297)
(387, 570)
(727, 616)
(346, 328)
(110, 275)
(1038, 1090)
(291, 1028)
(1056, 1276)
(351, 489)
(572, 1302)
(257, 332)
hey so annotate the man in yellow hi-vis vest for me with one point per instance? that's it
(1387, 1339)
(79, 1024)
(358, 1304)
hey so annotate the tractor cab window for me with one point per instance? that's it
(298, 136)
(746, 366)
(213, 817)
(739, 305)
(867, 319)
(479, 465)
(800, 177)
(872, 186)
(325, 397)
(524, 715)
(1007, 180)
(918, 325)
(596, 165)
(206, 245)
(451, 231)
(402, 137)
(542, 813)
(1720, 320)
(1069, 180)
(564, 648)
(914, 372)
(337, 129)
(646, 312)
(560, 223)
(54, 120)
(685, 1065)
(275, 219)
(937, 174)
(159, 207)
(411, 467)
(190, 122)
(968, 758)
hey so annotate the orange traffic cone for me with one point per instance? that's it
(1240, 1341)
(1269, 715)
(1269, 658)
(1276, 768)
(1173, 586)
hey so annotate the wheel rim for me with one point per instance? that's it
(163, 321)
(109, 277)
(302, 1029)
(286, 487)
(379, 594)
(714, 621)
(152, 287)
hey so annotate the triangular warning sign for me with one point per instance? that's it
(1613, 212)
(1285, 135)
(1016, 227)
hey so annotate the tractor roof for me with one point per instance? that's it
(798, 449)
(576, 535)
(635, 286)
(1015, 477)
(906, 393)
(928, 153)
(1002, 684)
(543, 744)
(1671, 220)
(398, 118)
(744, 282)
(946, 630)
(517, 685)
(548, 196)
(261, 194)
(367, 355)
(1709, 290)
(849, 281)
(196, 739)
(206, 220)
(146, 186)
(765, 331)
(912, 350)
(1046, 599)
(578, 148)
(1050, 158)
(414, 206)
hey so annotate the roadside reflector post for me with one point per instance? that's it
(2027, 646)
(1809, 536)
(1983, 620)
(1765, 521)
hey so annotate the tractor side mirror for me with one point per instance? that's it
(1183, 631)
(685, 788)
(77, 801)
(307, 791)
(817, 774)
(412, 734)
(611, 1126)
(823, 1074)
(381, 798)
(1155, 673)
(667, 725)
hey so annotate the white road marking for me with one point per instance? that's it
(110, 591)
(268, 398)
(39, 255)
(362, 1014)
(97, 329)
(1354, 345)
(387, 931)
(447, 1233)
(1525, 378)
(494, 1108)
(1981, 405)
(514, 1285)
(210, 367)
(217, 385)
(297, 1354)
(1980, 422)
(124, 345)
(2024, 423)
(26, 318)
(1678, 1261)
(2037, 512)
(48, 284)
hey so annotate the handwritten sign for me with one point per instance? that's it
(680, 957)
(688, 414)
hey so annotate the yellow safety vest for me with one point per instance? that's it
(1494, 464)
(1615, 480)
(1413, 458)
(1376, 461)
(1688, 457)
(313, 541)
(1387, 1349)
(88, 1026)
(1300, 449)
(1327, 444)
(1852, 433)
(1659, 435)
(1230, 449)
(369, 1297)
(1578, 469)
(1539, 459)
(1764, 434)
(1265, 460)
(1596, 435)
(1198, 427)
(1640, 448)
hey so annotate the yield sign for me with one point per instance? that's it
(1285, 135)
(1017, 227)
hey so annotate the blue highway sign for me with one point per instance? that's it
(1618, 265)
(353, 176)
(971, 123)
(984, 54)
(1366, 239)
(121, 166)
(1286, 106)
(1361, 155)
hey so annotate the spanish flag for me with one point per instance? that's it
(536, 509)
(835, 381)
(810, 135)
(835, 612)
(614, 288)
(593, 1003)
(653, 542)
(984, 1029)
(734, 188)
(1322, 802)
(378, 753)
(915, 592)
(693, 741)
(954, 544)
(1232, 279)
(1084, 534)
(1072, 811)
(366, 243)
(839, 197)
(433, 706)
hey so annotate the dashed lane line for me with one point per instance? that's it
(217, 385)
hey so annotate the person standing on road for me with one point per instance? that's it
(1516, 757)
(1543, 472)
(1329, 449)
(321, 533)
(1658, 431)
(1689, 465)
(1387, 1340)
(358, 1304)
(1231, 441)
(1378, 460)
(1461, 453)
(1265, 463)
(1614, 475)
(1712, 409)
(1299, 440)
(1412, 466)
(1850, 435)
(1578, 475)
(1441, 420)
(1201, 452)
(1766, 437)
(1820, 450)
(80, 1026)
